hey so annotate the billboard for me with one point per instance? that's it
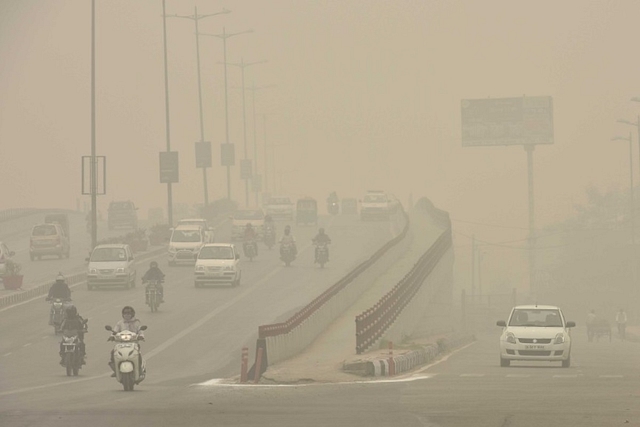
(525, 120)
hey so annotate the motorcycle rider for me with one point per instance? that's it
(128, 323)
(59, 289)
(73, 322)
(249, 237)
(321, 238)
(287, 238)
(154, 273)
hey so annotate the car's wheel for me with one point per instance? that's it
(504, 362)
(566, 363)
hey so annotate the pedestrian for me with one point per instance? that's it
(621, 320)
(591, 320)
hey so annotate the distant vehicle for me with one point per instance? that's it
(185, 243)
(48, 239)
(122, 214)
(208, 231)
(375, 205)
(349, 206)
(218, 263)
(536, 332)
(241, 218)
(306, 211)
(280, 208)
(5, 255)
(111, 265)
(60, 218)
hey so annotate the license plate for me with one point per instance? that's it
(534, 347)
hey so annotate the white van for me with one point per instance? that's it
(111, 265)
(218, 263)
(185, 243)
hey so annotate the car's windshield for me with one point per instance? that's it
(191, 222)
(120, 206)
(108, 254)
(249, 214)
(186, 236)
(306, 204)
(216, 252)
(536, 317)
(44, 230)
(375, 198)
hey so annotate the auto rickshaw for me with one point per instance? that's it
(307, 211)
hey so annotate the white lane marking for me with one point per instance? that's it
(472, 375)
(6, 354)
(444, 359)
(566, 376)
(611, 376)
(27, 344)
(518, 376)
(39, 387)
(219, 382)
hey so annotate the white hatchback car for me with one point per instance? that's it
(536, 332)
(218, 263)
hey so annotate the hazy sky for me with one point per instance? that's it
(367, 96)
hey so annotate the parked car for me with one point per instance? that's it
(218, 263)
(208, 231)
(241, 218)
(48, 239)
(280, 208)
(5, 255)
(536, 332)
(111, 265)
(185, 243)
(122, 213)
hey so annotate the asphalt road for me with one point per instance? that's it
(197, 335)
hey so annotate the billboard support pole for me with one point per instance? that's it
(532, 224)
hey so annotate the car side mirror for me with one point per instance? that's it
(108, 328)
(143, 327)
(501, 323)
(571, 324)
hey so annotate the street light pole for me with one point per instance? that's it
(242, 65)
(631, 204)
(253, 90)
(93, 171)
(195, 18)
(224, 36)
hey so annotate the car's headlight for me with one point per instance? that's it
(559, 338)
(199, 267)
(510, 338)
(120, 271)
(93, 271)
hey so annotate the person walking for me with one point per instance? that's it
(621, 320)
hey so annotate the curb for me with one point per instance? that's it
(379, 366)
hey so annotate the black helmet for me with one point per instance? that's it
(130, 309)
(60, 278)
(153, 264)
(321, 231)
(72, 311)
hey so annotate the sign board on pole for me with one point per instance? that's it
(256, 183)
(203, 154)
(169, 167)
(526, 120)
(100, 175)
(227, 154)
(245, 168)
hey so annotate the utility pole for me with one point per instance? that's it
(253, 90)
(473, 266)
(93, 171)
(532, 225)
(166, 103)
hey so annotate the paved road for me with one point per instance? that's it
(197, 335)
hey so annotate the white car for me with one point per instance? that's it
(218, 263)
(208, 231)
(111, 265)
(280, 208)
(185, 243)
(536, 332)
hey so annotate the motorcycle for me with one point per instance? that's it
(152, 294)
(129, 366)
(322, 253)
(270, 237)
(73, 354)
(287, 253)
(333, 208)
(250, 249)
(56, 313)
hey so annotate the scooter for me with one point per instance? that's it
(250, 249)
(73, 354)
(152, 294)
(322, 253)
(333, 208)
(129, 366)
(286, 253)
(56, 314)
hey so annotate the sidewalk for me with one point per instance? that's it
(323, 361)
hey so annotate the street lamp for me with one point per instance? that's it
(631, 208)
(195, 18)
(224, 36)
(253, 90)
(242, 65)
(637, 125)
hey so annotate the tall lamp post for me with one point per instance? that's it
(253, 88)
(93, 171)
(195, 18)
(166, 105)
(631, 207)
(224, 36)
(242, 65)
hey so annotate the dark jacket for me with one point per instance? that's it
(154, 273)
(60, 290)
(74, 324)
(322, 238)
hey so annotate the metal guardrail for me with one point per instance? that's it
(299, 317)
(373, 322)
(9, 214)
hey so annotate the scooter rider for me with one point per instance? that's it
(321, 238)
(287, 238)
(269, 224)
(128, 323)
(249, 237)
(59, 289)
(73, 322)
(154, 273)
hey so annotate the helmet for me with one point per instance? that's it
(321, 231)
(129, 309)
(60, 278)
(153, 264)
(72, 311)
